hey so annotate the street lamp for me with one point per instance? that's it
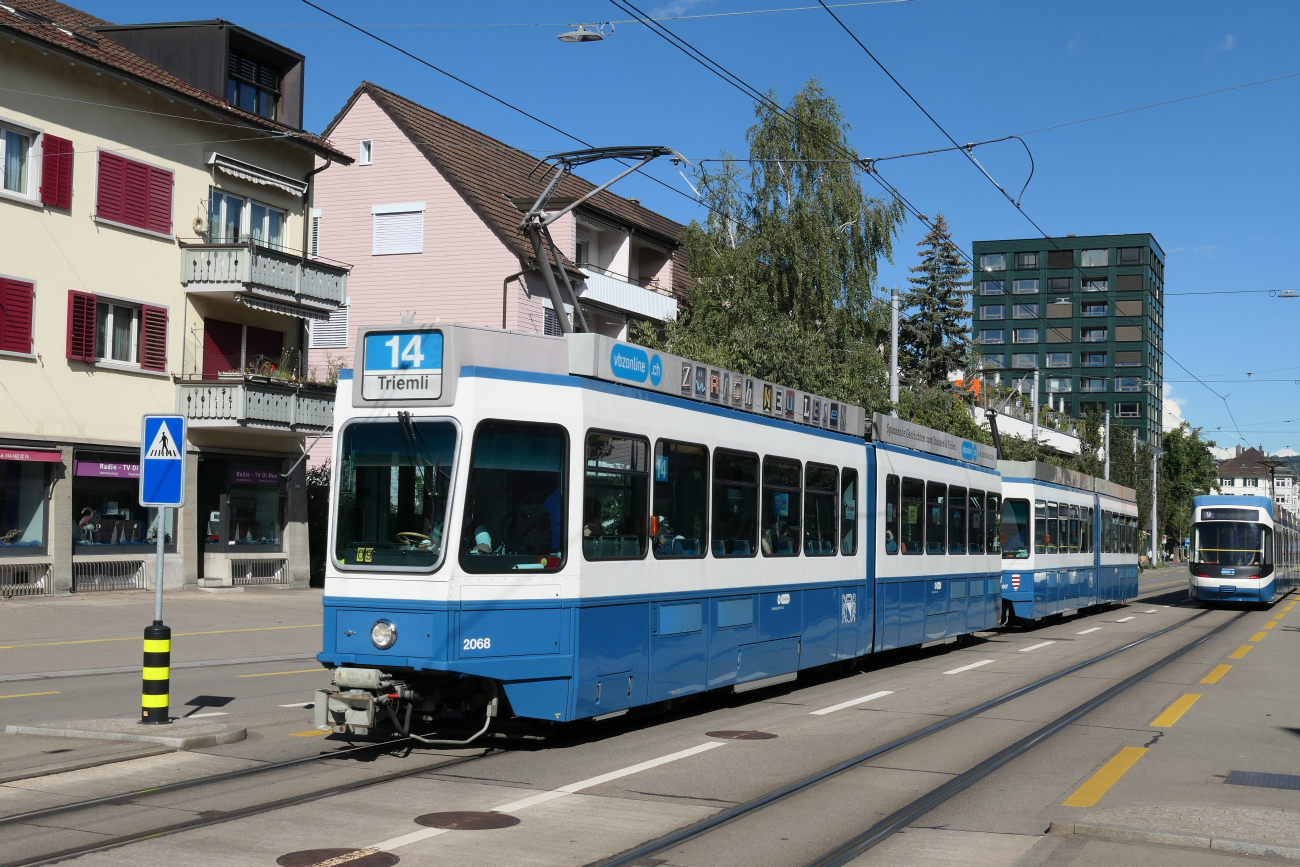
(585, 33)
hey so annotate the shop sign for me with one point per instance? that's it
(30, 456)
(254, 477)
(106, 469)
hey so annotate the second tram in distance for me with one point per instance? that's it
(1240, 551)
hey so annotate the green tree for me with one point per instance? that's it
(784, 265)
(1187, 469)
(936, 331)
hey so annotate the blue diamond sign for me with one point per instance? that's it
(162, 461)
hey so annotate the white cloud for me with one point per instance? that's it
(1229, 42)
(1222, 453)
(1173, 410)
(1286, 452)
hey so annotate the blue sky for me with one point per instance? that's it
(1214, 179)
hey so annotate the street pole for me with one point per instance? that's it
(158, 573)
(1035, 406)
(1106, 443)
(1155, 476)
(893, 351)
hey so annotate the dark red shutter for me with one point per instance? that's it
(134, 194)
(261, 345)
(159, 215)
(81, 326)
(153, 338)
(221, 342)
(56, 171)
(16, 298)
(110, 194)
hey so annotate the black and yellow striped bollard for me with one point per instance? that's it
(157, 673)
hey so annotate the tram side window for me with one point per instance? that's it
(681, 496)
(1107, 533)
(912, 537)
(1053, 538)
(781, 507)
(993, 523)
(976, 535)
(1073, 541)
(849, 512)
(1040, 527)
(514, 505)
(819, 512)
(1015, 529)
(892, 515)
(735, 504)
(935, 494)
(956, 520)
(615, 498)
(1085, 526)
(394, 485)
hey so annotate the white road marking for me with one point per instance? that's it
(543, 797)
(1035, 646)
(299, 704)
(969, 667)
(1151, 611)
(213, 713)
(1086, 631)
(852, 702)
(1125, 619)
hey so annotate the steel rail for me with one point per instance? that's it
(631, 856)
(239, 813)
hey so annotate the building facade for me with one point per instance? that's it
(155, 181)
(428, 215)
(1086, 312)
(1254, 472)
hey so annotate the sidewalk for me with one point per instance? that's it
(1218, 769)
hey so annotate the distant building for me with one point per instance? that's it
(1247, 472)
(1087, 312)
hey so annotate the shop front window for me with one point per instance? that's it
(107, 517)
(22, 506)
(253, 506)
(393, 490)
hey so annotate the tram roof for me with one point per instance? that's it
(1052, 474)
(1246, 501)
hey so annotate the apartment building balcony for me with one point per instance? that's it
(644, 299)
(265, 277)
(258, 403)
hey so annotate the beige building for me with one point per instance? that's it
(154, 182)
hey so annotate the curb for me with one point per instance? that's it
(181, 736)
(51, 770)
(1122, 834)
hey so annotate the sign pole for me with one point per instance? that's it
(162, 486)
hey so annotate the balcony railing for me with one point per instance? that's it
(265, 272)
(628, 297)
(261, 403)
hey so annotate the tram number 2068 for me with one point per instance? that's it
(477, 644)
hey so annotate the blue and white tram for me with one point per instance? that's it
(1069, 540)
(561, 528)
(1240, 552)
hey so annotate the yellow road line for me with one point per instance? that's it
(1175, 711)
(1240, 651)
(311, 734)
(174, 635)
(1269, 625)
(1215, 675)
(29, 694)
(1099, 783)
(299, 671)
(1259, 636)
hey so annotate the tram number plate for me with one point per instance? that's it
(402, 365)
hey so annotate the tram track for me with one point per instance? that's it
(214, 817)
(847, 851)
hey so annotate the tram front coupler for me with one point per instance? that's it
(358, 697)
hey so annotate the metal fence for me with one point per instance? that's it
(25, 579)
(107, 575)
(252, 572)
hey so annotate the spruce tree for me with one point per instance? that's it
(935, 335)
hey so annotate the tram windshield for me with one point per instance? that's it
(394, 481)
(1229, 543)
(1015, 529)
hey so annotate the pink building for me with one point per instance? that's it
(427, 216)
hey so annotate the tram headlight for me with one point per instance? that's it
(383, 634)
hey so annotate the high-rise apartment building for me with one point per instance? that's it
(1087, 312)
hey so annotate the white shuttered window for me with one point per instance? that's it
(332, 334)
(398, 228)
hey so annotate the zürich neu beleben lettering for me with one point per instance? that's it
(402, 383)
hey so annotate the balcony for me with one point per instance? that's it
(260, 403)
(617, 293)
(265, 277)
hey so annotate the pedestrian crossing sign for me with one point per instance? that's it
(162, 461)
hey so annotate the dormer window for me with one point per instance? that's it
(253, 86)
